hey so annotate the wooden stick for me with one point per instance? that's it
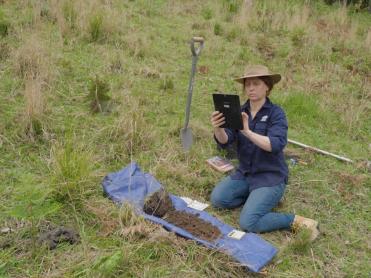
(320, 151)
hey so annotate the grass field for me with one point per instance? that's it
(87, 86)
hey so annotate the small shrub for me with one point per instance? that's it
(218, 29)
(100, 100)
(298, 36)
(207, 13)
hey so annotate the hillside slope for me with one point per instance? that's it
(88, 86)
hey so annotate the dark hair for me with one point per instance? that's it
(268, 81)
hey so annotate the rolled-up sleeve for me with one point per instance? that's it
(277, 130)
(231, 137)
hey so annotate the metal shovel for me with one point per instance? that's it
(186, 132)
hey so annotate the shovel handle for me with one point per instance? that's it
(197, 51)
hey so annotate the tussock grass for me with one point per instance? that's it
(4, 51)
(4, 25)
(99, 95)
(35, 109)
(31, 61)
(71, 171)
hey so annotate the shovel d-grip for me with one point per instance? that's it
(186, 132)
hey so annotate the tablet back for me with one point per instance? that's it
(230, 106)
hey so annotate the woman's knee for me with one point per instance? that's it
(219, 199)
(249, 223)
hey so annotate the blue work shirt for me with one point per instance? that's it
(259, 167)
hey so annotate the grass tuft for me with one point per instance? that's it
(298, 37)
(35, 108)
(301, 241)
(167, 84)
(4, 25)
(100, 100)
(4, 51)
(218, 30)
(207, 13)
(95, 28)
(107, 266)
(71, 172)
(31, 60)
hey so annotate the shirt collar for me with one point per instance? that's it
(267, 104)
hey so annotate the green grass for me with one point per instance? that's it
(135, 55)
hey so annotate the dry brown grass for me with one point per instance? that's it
(31, 60)
(131, 129)
(132, 225)
(34, 107)
(74, 17)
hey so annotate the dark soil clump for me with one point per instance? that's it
(52, 238)
(193, 224)
(159, 204)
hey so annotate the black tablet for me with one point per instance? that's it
(230, 106)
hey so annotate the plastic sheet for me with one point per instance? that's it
(132, 185)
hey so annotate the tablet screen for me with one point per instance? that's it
(230, 106)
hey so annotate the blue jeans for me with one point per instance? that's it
(256, 215)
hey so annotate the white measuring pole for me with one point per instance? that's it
(320, 151)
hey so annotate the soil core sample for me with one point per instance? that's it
(159, 204)
(193, 224)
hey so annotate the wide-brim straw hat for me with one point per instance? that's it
(258, 71)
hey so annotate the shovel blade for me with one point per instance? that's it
(187, 138)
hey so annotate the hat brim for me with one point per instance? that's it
(275, 77)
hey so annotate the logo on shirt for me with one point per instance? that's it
(264, 118)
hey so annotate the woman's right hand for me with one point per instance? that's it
(217, 119)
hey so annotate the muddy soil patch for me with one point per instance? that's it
(159, 204)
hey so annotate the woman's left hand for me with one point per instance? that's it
(245, 121)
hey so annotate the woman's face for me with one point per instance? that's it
(255, 89)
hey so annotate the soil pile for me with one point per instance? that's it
(159, 204)
(193, 224)
(52, 238)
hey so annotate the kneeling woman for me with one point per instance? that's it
(260, 180)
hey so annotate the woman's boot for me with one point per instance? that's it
(312, 225)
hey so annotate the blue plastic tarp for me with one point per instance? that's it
(132, 185)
